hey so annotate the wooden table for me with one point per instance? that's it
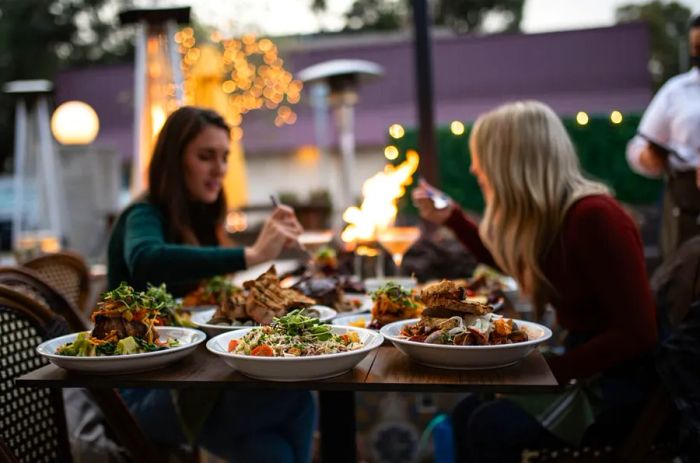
(385, 369)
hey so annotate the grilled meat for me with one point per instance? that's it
(267, 299)
(452, 296)
(104, 325)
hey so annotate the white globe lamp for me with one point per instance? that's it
(75, 123)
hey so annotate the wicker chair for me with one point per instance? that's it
(31, 294)
(33, 422)
(30, 283)
(6, 455)
(68, 273)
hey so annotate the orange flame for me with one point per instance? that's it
(380, 193)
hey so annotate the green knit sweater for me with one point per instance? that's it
(138, 253)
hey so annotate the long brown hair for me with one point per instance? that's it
(186, 221)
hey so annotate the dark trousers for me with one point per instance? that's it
(681, 211)
(499, 430)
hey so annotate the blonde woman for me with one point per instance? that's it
(569, 244)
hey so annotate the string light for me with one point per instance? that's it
(457, 128)
(616, 117)
(581, 118)
(391, 152)
(396, 131)
(252, 73)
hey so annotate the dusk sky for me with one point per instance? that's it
(285, 17)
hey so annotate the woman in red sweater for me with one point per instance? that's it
(569, 244)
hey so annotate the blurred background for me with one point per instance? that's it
(87, 84)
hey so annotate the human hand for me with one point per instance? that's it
(422, 197)
(281, 230)
(652, 159)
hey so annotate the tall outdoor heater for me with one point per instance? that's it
(38, 205)
(342, 78)
(158, 89)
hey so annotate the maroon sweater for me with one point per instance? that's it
(597, 268)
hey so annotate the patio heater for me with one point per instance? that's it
(158, 89)
(342, 79)
(38, 198)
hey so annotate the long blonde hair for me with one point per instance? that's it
(527, 157)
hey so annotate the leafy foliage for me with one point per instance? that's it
(37, 37)
(668, 23)
(600, 146)
(462, 16)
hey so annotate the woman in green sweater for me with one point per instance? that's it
(174, 234)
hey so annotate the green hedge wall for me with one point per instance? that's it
(600, 145)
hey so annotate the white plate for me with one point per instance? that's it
(118, 364)
(363, 301)
(201, 320)
(510, 289)
(195, 308)
(346, 320)
(311, 368)
(467, 357)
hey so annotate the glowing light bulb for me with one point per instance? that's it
(457, 127)
(616, 117)
(396, 131)
(75, 123)
(391, 152)
(581, 118)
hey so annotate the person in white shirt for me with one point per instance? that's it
(668, 142)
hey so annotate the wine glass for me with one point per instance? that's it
(398, 240)
(313, 240)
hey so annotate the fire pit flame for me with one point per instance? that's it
(380, 194)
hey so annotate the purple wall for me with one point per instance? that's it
(595, 70)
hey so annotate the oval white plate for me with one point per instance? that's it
(118, 364)
(195, 308)
(363, 302)
(346, 320)
(467, 357)
(309, 368)
(201, 320)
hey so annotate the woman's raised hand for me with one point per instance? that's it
(281, 230)
(423, 198)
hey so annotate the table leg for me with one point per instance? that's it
(337, 424)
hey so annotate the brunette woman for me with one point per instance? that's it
(174, 234)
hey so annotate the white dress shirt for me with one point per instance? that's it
(672, 118)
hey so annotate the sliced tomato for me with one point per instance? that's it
(262, 350)
(232, 345)
(139, 315)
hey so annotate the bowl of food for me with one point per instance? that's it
(126, 337)
(258, 303)
(486, 281)
(328, 291)
(213, 324)
(457, 332)
(210, 294)
(295, 348)
(392, 302)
